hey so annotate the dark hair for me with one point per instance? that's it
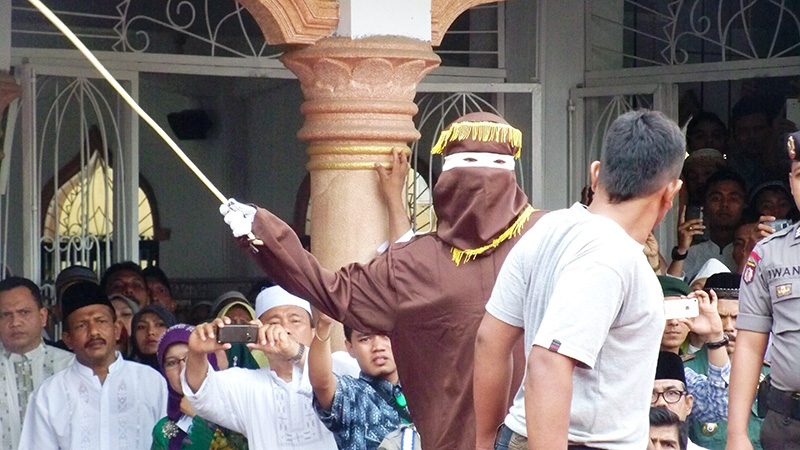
(15, 282)
(129, 266)
(754, 104)
(704, 116)
(158, 275)
(662, 417)
(726, 175)
(347, 332)
(642, 150)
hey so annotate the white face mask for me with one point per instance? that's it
(469, 159)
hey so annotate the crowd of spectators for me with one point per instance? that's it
(127, 369)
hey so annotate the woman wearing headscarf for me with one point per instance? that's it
(147, 327)
(182, 429)
(235, 306)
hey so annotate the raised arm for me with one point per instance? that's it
(492, 376)
(392, 184)
(320, 365)
(362, 296)
(203, 341)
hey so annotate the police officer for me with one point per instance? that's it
(769, 301)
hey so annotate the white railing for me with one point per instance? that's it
(637, 33)
(224, 28)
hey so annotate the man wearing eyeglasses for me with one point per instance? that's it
(669, 389)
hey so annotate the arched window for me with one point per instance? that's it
(85, 206)
(80, 213)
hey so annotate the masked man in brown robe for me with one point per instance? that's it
(429, 294)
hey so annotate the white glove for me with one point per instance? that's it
(239, 216)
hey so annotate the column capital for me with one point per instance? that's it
(359, 97)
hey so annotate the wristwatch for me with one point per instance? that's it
(719, 344)
(302, 351)
(677, 256)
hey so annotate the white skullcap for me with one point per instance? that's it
(711, 267)
(275, 296)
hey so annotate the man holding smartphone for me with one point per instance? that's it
(271, 405)
(768, 299)
(722, 212)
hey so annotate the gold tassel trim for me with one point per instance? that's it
(514, 230)
(480, 131)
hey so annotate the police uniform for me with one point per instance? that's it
(769, 301)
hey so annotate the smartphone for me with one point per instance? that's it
(680, 308)
(696, 212)
(237, 333)
(779, 224)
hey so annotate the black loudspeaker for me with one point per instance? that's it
(191, 124)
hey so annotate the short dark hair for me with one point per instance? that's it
(129, 266)
(662, 417)
(157, 274)
(347, 332)
(15, 282)
(755, 104)
(726, 175)
(702, 117)
(642, 150)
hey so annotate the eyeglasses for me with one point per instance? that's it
(173, 363)
(670, 396)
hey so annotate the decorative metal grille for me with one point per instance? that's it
(221, 28)
(637, 33)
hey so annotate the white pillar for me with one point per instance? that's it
(31, 187)
(126, 195)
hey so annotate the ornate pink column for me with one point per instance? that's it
(359, 105)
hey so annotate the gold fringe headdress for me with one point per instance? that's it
(480, 131)
(484, 132)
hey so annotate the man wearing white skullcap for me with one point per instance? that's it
(249, 401)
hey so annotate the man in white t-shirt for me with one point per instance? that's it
(580, 288)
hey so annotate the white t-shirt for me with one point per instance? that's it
(580, 285)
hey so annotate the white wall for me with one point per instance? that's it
(561, 68)
(251, 154)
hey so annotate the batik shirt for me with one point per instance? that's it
(19, 376)
(359, 417)
(710, 392)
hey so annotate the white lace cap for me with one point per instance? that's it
(469, 159)
(274, 296)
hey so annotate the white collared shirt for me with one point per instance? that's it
(73, 410)
(270, 412)
(44, 361)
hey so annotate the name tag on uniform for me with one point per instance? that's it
(783, 290)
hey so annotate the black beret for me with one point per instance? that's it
(670, 367)
(726, 285)
(81, 294)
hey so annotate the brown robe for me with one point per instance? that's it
(415, 294)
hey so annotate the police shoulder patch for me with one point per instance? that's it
(749, 271)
